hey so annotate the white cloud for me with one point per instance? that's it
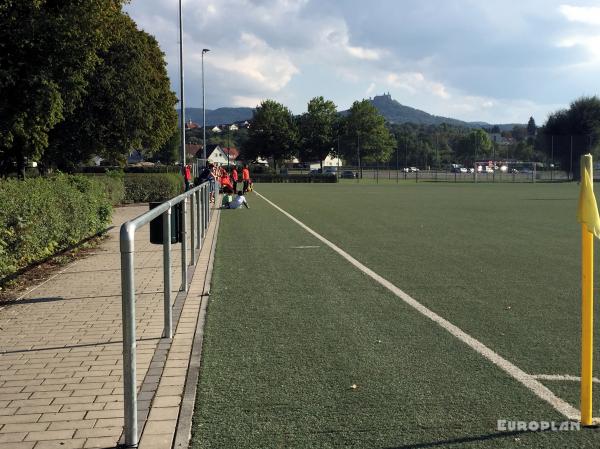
(589, 15)
(370, 89)
(249, 102)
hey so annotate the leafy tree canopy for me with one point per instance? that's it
(273, 133)
(318, 130)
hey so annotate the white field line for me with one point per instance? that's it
(562, 377)
(304, 247)
(515, 372)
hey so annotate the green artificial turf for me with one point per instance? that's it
(290, 329)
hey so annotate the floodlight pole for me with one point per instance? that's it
(204, 50)
(181, 92)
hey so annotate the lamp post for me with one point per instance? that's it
(204, 50)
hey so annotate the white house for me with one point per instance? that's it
(218, 155)
(216, 129)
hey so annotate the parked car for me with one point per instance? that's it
(315, 171)
(406, 170)
(347, 174)
(463, 170)
(471, 170)
(414, 169)
(330, 170)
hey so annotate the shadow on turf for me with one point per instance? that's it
(488, 437)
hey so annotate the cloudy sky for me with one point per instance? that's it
(499, 62)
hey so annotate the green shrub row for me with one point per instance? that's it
(41, 216)
(131, 169)
(113, 183)
(146, 187)
(293, 178)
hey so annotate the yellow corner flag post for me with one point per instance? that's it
(587, 215)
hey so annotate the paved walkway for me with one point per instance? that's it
(61, 350)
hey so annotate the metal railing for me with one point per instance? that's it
(199, 220)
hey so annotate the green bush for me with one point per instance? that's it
(41, 216)
(146, 187)
(113, 182)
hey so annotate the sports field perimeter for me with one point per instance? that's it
(292, 326)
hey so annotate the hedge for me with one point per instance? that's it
(41, 216)
(114, 185)
(293, 178)
(146, 187)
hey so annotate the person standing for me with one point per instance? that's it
(188, 177)
(245, 178)
(234, 178)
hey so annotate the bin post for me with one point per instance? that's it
(193, 227)
(168, 320)
(184, 286)
(129, 344)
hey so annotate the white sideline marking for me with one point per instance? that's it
(512, 370)
(562, 377)
(304, 247)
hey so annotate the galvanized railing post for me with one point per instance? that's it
(198, 218)
(203, 203)
(168, 320)
(183, 287)
(193, 228)
(128, 306)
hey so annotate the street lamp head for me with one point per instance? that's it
(205, 50)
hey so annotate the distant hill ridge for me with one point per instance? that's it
(392, 110)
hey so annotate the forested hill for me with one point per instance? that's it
(394, 112)
(218, 116)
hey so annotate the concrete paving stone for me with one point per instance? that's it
(60, 378)
(101, 442)
(118, 413)
(109, 422)
(8, 411)
(164, 390)
(38, 409)
(81, 407)
(74, 400)
(75, 424)
(30, 402)
(156, 441)
(160, 427)
(15, 396)
(167, 401)
(61, 444)
(9, 419)
(22, 383)
(96, 392)
(24, 427)
(21, 445)
(110, 398)
(50, 435)
(12, 437)
(50, 394)
(84, 386)
(99, 432)
(112, 406)
(36, 388)
(66, 416)
(163, 413)
(9, 390)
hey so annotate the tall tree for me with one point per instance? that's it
(273, 133)
(48, 49)
(130, 107)
(531, 127)
(318, 130)
(473, 146)
(366, 133)
(581, 122)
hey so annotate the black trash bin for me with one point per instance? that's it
(156, 225)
